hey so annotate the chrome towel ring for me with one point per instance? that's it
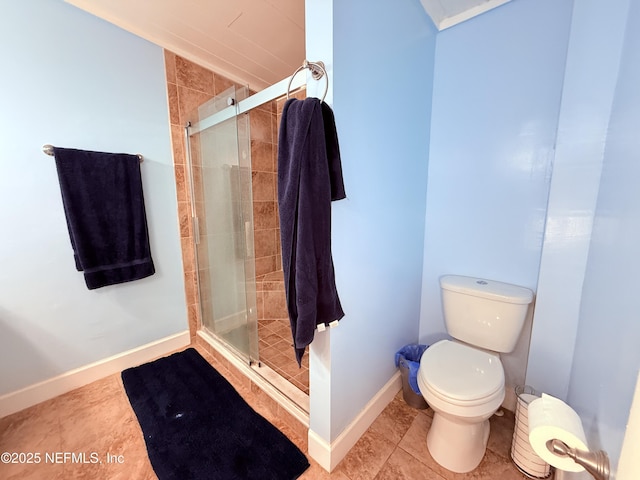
(318, 71)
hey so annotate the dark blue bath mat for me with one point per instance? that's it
(197, 427)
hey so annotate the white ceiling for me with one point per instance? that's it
(256, 42)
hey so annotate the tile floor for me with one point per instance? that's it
(276, 351)
(98, 420)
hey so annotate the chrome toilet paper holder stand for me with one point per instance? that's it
(596, 463)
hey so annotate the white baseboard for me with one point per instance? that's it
(26, 397)
(328, 455)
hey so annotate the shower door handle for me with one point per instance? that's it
(248, 237)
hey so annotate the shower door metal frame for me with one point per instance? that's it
(244, 106)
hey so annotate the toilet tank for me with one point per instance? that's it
(484, 313)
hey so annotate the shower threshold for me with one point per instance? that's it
(293, 400)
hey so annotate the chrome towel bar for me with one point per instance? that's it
(49, 150)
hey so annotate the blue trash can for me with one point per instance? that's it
(408, 361)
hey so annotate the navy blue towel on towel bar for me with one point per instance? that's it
(104, 207)
(309, 178)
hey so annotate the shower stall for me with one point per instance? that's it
(219, 162)
(231, 145)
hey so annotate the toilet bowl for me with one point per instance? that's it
(464, 386)
(463, 379)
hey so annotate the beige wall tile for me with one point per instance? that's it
(265, 244)
(170, 66)
(174, 104)
(193, 76)
(182, 189)
(275, 304)
(222, 83)
(261, 126)
(193, 315)
(264, 215)
(264, 265)
(177, 144)
(262, 156)
(190, 287)
(188, 254)
(184, 218)
(189, 101)
(263, 186)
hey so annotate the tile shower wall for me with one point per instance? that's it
(265, 202)
(188, 86)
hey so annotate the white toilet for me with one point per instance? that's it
(462, 380)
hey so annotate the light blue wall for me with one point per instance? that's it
(72, 80)
(589, 85)
(507, 86)
(607, 357)
(496, 98)
(381, 73)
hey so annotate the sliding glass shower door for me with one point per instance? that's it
(220, 158)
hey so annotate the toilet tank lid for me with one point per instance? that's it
(480, 287)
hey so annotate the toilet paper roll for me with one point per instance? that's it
(550, 418)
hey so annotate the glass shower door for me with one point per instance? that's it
(220, 157)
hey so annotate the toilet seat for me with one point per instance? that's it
(461, 375)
